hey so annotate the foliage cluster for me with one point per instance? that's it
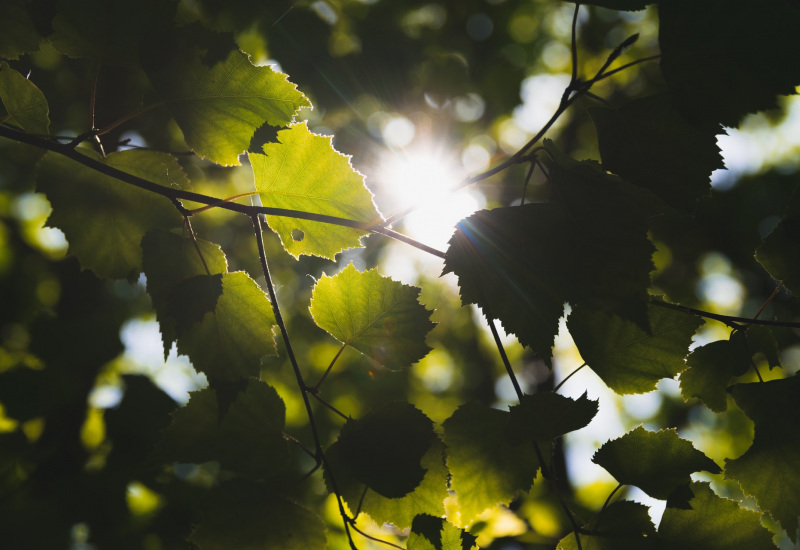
(295, 442)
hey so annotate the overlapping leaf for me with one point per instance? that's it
(246, 516)
(304, 172)
(642, 142)
(105, 219)
(712, 368)
(547, 415)
(229, 342)
(726, 59)
(656, 462)
(486, 467)
(426, 498)
(779, 252)
(248, 440)
(624, 525)
(384, 449)
(375, 315)
(435, 533)
(18, 34)
(628, 358)
(24, 103)
(769, 469)
(218, 103)
(711, 523)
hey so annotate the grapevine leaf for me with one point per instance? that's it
(384, 449)
(248, 440)
(769, 469)
(712, 523)
(547, 415)
(104, 219)
(642, 142)
(24, 103)
(505, 265)
(375, 315)
(728, 59)
(106, 31)
(712, 368)
(628, 358)
(18, 34)
(427, 498)
(436, 533)
(246, 516)
(779, 252)
(626, 5)
(169, 259)
(218, 105)
(230, 341)
(486, 467)
(760, 339)
(656, 462)
(304, 172)
(624, 525)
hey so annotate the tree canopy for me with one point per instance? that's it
(425, 275)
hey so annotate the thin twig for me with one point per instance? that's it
(188, 225)
(731, 321)
(126, 118)
(328, 405)
(375, 539)
(325, 374)
(503, 355)
(574, 43)
(769, 300)
(300, 444)
(608, 500)
(570, 375)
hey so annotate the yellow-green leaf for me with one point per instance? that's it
(24, 103)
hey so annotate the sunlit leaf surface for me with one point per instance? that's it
(24, 103)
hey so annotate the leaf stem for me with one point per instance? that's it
(229, 199)
(570, 375)
(503, 355)
(325, 374)
(126, 118)
(328, 405)
(608, 500)
(731, 321)
(768, 301)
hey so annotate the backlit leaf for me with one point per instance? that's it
(304, 172)
(624, 525)
(712, 368)
(769, 469)
(547, 415)
(384, 449)
(656, 462)
(486, 467)
(24, 103)
(219, 103)
(435, 533)
(375, 315)
(712, 523)
(246, 516)
(427, 498)
(728, 59)
(642, 142)
(18, 34)
(105, 219)
(628, 358)
(230, 341)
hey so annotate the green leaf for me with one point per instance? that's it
(435, 533)
(712, 368)
(18, 34)
(427, 498)
(624, 525)
(769, 469)
(105, 219)
(712, 523)
(383, 449)
(24, 103)
(760, 339)
(505, 267)
(219, 103)
(547, 415)
(779, 252)
(642, 141)
(628, 358)
(304, 172)
(375, 315)
(248, 440)
(246, 516)
(486, 467)
(656, 462)
(725, 59)
(230, 341)
(110, 32)
(168, 259)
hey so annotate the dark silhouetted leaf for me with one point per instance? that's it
(624, 525)
(769, 469)
(375, 315)
(656, 462)
(779, 252)
(712, 523)
(18, 34)
(712, 368)
(435, 533)
(304, 172)
(548, 415)
(486, 468)
(24, 103)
